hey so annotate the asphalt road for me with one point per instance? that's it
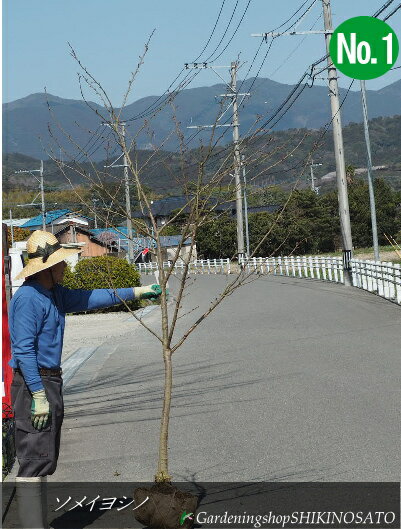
(288, 380)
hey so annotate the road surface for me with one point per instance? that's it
(289, 380)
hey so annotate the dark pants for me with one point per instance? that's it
(37, 451)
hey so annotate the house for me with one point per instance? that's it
(143, 247)
(165, 208)
(92, 246)
(118, 237)
(162, 209)
(170, 245)
(56, 218)
(16, 223)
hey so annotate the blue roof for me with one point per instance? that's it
(51, 216)
(174, 240)
(141, 243)
(120, 231)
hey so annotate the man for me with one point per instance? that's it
(36, 318)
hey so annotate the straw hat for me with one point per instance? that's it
(44, 251)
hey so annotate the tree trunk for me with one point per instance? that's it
(162, 475)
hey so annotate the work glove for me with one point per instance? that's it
(151, 292)
(40, 409)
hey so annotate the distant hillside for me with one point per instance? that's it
(25, 121)
(162, 169)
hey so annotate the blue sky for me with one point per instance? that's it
(109, 36)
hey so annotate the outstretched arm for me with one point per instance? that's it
(99, 298)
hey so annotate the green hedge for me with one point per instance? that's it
(104, 272)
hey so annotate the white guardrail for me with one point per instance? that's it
(381, 278)
(315, 267)
(200, 266)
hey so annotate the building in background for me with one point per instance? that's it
(92, 245)
(56, 218)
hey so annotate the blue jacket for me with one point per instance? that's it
(37, 319)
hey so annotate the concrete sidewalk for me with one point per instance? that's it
(289, 379)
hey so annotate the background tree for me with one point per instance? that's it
(19, 234)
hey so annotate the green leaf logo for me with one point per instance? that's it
(184, 516)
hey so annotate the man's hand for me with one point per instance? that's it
(40, 409)
(150, 292)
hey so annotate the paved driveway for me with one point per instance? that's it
(288, 379)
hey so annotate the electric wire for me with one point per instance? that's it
(233, 35)
(260, 67)
(212, 33)
(292, 16)
(307, 73)
(288, 98)
(96, 148)
(295, 49)
(152, 108)
(193, 136)
(325, 130)
(382, 8)
(392, 13)
(281, 107)
(211, 56)
(92, 139)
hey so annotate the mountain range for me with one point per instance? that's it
(26, 121)
(281, 158)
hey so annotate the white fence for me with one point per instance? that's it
(200, 266)
(383, 279)
(315, 267)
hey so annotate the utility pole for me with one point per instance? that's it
(338, 149)
(370, 176)
(127, 195)
(11, 228)
(248, 253)
(337, 134)
(312, 177)
(237, 158)
(42, 190)
(42, 193)
(237, 163)
(94, 200)
(127, 201)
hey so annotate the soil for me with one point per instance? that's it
(165, 506)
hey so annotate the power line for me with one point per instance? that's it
(264, 59)
(271, 43)
(235, 32)
(212, 33)
(382, 8)
(392, 13)
(295, 49)
(281, 107)
(152, 107)
(292, 16)
(184, 83)
(93, 138)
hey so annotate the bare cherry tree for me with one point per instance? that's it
(205, 179)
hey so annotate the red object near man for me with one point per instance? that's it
(6, 355)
